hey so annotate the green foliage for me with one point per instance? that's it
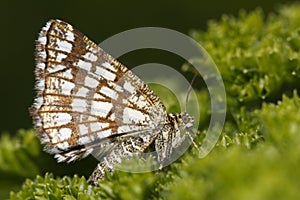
(120, 185)
(257, 56)
(16, 154)
(257, 155)
(50, 188)
(269, 171)
(263, 173)
(282, 122)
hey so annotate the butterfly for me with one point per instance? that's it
(89, 103)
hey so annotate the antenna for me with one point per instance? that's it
(189, 91)
(186, 102)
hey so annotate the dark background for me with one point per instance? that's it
(21, 22)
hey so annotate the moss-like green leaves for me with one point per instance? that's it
(257, 155)
(49, 188)
(17, 154)
(258, 55)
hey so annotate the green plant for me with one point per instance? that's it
(256, 156)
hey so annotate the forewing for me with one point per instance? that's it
(85, 98)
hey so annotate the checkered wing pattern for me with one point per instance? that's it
(86, 100)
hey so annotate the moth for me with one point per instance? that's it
(89, 103)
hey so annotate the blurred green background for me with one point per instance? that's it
(21, 22)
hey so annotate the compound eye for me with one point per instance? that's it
(187, 120)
